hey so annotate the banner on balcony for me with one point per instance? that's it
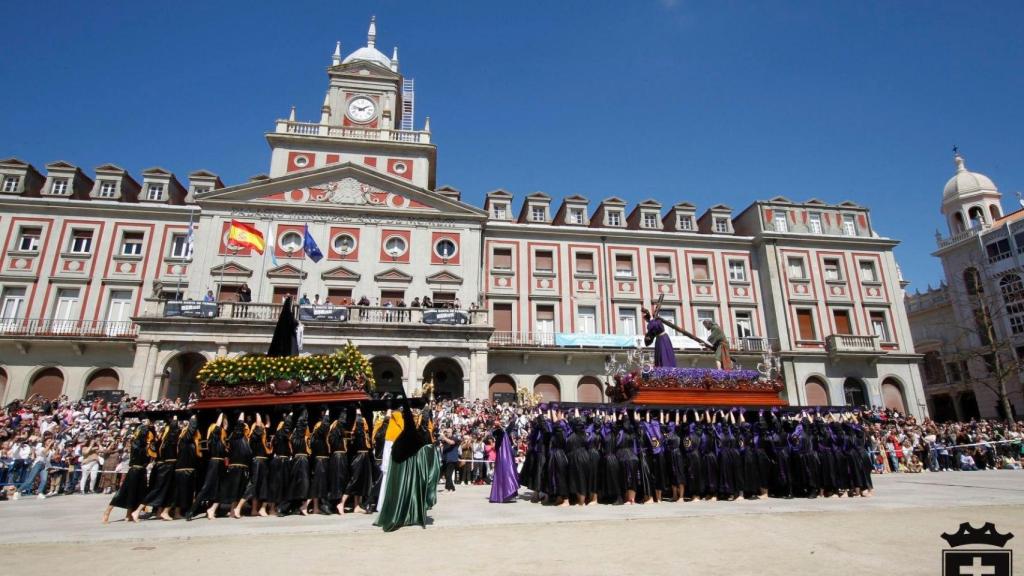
(190, 309)
(323, 313)
(595, 340)
(432, 316)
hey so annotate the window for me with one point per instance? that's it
(853, 392)
(880, 326)
(702, 315)
(441, 299)
(737, 271)
(445, 248)
(502, 259)
(584, 263)
(662, 267)
(546, 324)
(990, 363)
(849, 225)
(81, 242)
(586, 319)
(700, 269)
(131, 244)
(796, 267)
(1013, 298)
(502, 317)
(721, 224)
(650, 220)
(614, 218)
(933, 372)
(394, 246)
(344, 244)
(108, 188)
(841, 320)
(59, 187)
(339, 296)
(501, 212)
(11, 307)
(624, 265)
(180, 247)
(814, 222)
(954, 371)
(805, 325)
(831, 266)
(11, 183)
(201, 190)
(972, 282)
(868, 272)
(538, 213)
(290, 242)
(576, 216)
(544, 261)
(627, 321)
(780, 221)
(998, 250)
(155, 192)
(744, 324)
(685, 222)
(1018, 239)
(28, 241)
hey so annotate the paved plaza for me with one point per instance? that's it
(896, 531)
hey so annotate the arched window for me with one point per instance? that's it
(977, 216)
(958, 223)
(994, 211)
(548, 389)
(854, 393)
(1012, 290)
(892, 395)
(502, 388)
(48, 383)
(972, 282)
(817, 392)
(588, 389)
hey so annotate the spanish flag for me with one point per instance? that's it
(246, 235)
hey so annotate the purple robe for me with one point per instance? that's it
(664, 353)
(505, 486)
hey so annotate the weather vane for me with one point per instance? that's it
(956, 149)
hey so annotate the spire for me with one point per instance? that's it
(325, 110)
(958, 159)
(291, 115)
(426, 125)
(336, 57)
(371, 35)
(394, 59)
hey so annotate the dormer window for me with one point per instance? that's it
(650, 220)
(576, 216)
(849, 225)
(11, 183)
(614, 218)
(202, 189)
(780, 221)
(814, 222)
(60, 187)
(538, 214)
(685, 222)
(721, 224)
(501, 212)
(155, 192)
(108, 188)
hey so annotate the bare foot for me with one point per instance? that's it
(361, 510)
(263, 512)
(165, 516)
(341, 510)
(106, 517)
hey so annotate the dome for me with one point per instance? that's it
(965, 182)
(368, 54)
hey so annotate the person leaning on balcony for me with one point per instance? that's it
(244, 294)
(209, 297)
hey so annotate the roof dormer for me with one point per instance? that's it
(645, 216)
(19, 178)
(67, 181)
(114, 183)
(573, 212)
(681, 218)
(200, 182)
(498, 205)
(159, 185)
(536, 209)
(450, 192)
(717, 220)
(610, 213)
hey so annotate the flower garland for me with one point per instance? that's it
(345, 363)
(627, 384)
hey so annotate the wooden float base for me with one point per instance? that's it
(705, 397)
(249, 401)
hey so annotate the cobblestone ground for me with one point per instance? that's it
(896, 532)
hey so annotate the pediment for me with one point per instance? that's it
(230, 269)
(392, 275)
(155, 171)
(61, 165)
(363, 68)
(849, 204)
(780, 200)
(650, 203)
(499, 193)
(613, 201)
(12, 161)
(202, 174)
(110, 168)
(341, 274)
(345, 186)
(816, 202)
(286, 271)
(444, 277)
(721, 208)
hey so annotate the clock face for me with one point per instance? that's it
(361, 109)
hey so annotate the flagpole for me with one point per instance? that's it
(224, 263)
(190, 239)
(263, 261)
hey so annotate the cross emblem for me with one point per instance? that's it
(977, 568)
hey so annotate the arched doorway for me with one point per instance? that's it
(502, 389)
(969, 406)
(104, 379)
(547, 388)
(589, 390)
(943, 409)
(854, 393)
(48, 383)
(388, 374)
(816, 391)
(446, 374)
(892, 396)
(179, 375)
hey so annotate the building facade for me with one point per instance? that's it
(970, 330)
(550, 290)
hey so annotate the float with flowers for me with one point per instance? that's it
(261, 380)
(696, 387)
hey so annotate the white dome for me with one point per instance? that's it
(965, 182)
(368, 54)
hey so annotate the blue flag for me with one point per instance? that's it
(310, 248)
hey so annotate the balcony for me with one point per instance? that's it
(51, 328)
(959, 236)
(196, 311)
(750, 345)
(852, 345)
(349, 133)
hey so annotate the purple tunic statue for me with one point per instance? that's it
(664, 354)
(505, 486)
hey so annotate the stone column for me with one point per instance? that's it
(412, 377)
(477, 375)
(150, 388)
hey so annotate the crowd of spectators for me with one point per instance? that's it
(50, 447)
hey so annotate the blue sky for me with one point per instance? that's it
(707, 102)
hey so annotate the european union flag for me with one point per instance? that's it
(310, 248)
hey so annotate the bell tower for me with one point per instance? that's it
(970, 200)
(366, 118)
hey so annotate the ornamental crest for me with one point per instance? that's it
(348, 191)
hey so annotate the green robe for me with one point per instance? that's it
(411, 490)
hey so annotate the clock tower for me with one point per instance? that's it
(367, 118)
